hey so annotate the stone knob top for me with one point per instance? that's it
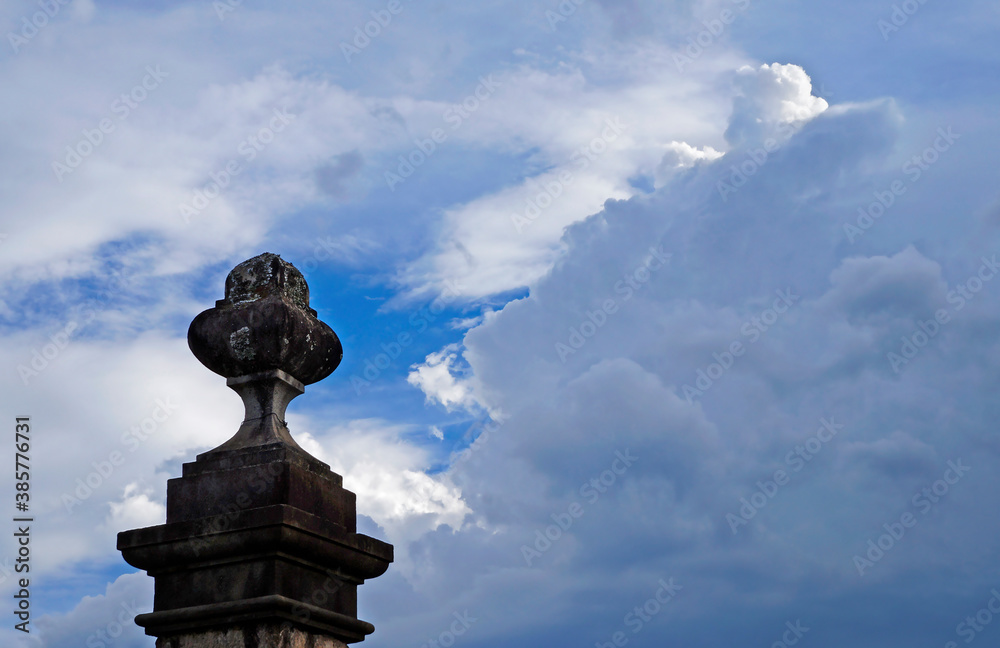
(265, 324)
(262, 276)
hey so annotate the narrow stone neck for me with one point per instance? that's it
(265, 396)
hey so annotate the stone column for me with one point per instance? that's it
(260, 548)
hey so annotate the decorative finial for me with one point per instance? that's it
(267, 341)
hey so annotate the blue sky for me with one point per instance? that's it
(697, 298)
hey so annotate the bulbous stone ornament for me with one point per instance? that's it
(265, 323)
(268, 343)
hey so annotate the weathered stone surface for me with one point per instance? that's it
(265, 323)
(260, 547)
(265, 396)
(259, 636)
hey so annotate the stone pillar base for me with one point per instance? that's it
(265, 635)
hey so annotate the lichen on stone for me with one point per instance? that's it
(239, 341)
(265, 275)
